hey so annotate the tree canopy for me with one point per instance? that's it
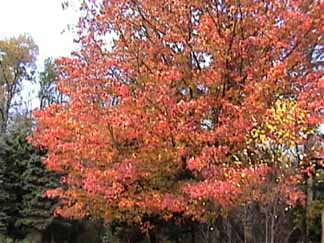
(195, 108)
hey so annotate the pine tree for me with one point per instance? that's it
(24, 181)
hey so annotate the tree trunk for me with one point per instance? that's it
(248, 232)
(266, 226)
(209, 236)
(309, 203)
(228, 230)
(3, 122)
(322, 241)
(193, 234)
(151, 237)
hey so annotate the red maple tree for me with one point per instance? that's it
(162, 122)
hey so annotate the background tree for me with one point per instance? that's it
(315, 157)
(17, 63)
(24, 181)
(48, 93)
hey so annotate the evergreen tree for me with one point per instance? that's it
(24, 181)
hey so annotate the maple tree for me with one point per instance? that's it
(176, 118)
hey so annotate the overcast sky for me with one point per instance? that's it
(46, 22)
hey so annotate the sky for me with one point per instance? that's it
(46, 22)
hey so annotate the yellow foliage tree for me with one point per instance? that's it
(17, 63)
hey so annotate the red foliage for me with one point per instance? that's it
(151, 126)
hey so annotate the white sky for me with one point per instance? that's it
(44, 20)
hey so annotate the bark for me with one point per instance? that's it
(151, 237)
(309, 203)
(3, 121)
(322, 241)
(193, 235)
(248, 232)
